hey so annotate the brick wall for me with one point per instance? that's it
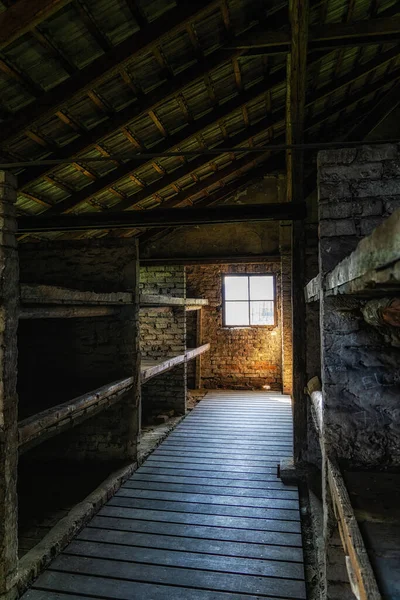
(163, 335)
(62, 358)
(358, 189)
(239, 357)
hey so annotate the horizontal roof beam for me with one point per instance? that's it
(333, 35)
(164, 217)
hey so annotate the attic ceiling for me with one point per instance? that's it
(84, 79)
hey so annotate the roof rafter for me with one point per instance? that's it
(124, 117)
(234, 167)
(333, 35)
(24, 15)
(106, 65)
(201, 124)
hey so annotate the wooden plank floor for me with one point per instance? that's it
(204, 518)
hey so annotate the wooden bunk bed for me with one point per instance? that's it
(366, 503)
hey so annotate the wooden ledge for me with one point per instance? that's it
(55, 295)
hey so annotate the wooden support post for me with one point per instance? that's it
(9, 298)
(199, 342)
(295, 110)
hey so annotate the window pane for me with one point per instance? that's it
(236, 313)
(262, 288)
(262, 313)
(236, 288)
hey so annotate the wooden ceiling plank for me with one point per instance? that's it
(136, 13)
(91, 25)
(49, 45)
(165, 92)
(113, 177)
(23, 79)
(25, 15)
(107, 65)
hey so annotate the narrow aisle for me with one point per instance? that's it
(204, 518)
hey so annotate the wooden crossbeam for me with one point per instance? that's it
(201, 124)
(124, 117)
(163, 217)
(162, 183)
(25, 15)
(295, 118)
(107, 65)
(332, 35)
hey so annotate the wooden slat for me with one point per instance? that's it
(218, 581)
(197, 530)
(185, 488)
(120, 589)
(25, 15)
(226, 500)
(58, 418)
(187, 559)
(187, 544)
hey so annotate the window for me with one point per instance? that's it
(248, 300)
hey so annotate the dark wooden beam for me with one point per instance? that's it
(369, 31)
(151, 101)
(25, 15)
(201, 124)
(106, 65)
(295, 117)
(167, 180)
(163, 217)
(333, 35)
(209, 260)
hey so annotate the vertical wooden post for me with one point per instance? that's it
(295, 110)
(135, 399)
(199, 341)
(9, 301)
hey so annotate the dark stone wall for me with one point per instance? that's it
(358, 189)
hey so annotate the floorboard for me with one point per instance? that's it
(204, 518)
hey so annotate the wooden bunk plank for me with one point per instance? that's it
(351, 536)
(54, 420)
(66, 312)
(373, 267)
(313, 289)
(151, 368)
(49, 294)
(194, 352)
(155, 300)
